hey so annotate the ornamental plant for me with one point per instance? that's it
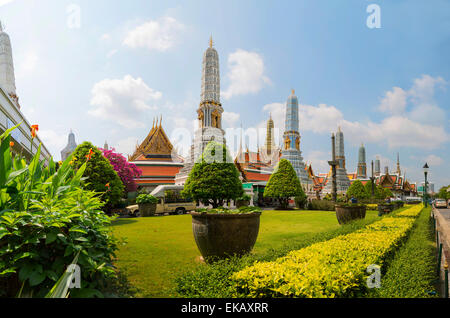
(127, 171)
(146, 198)
(334, 268)
(284, 184)
(100, 174)
(46, 219)
(357, 190)
(214, 179)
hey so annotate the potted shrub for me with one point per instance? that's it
(385, 208)
(213, 181)
(221, 233)
(347, 212)
(147, 204)
(243, 201)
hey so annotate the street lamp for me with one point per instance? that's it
(425, 172)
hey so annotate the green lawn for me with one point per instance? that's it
(159, 248)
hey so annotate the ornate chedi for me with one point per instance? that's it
(156, 157)
(291, 150)
(362, 166)
(209, 112)
(270, 153)
(71, 146)
(7, 78)
(342, 180)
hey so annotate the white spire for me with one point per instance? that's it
(7, 78)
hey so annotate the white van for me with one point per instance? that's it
(169, 201)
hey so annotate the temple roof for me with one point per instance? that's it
(156, 146)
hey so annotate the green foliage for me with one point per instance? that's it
(244, 197)
(283, 184)
(146, 198)
(411, 272)
(335, 268)
(321, 205)
(222, 210)
(214, 178)
(388, 193)
(443, 193)
(46, 218)
(357, 190)
(102, 177)
(213, 281)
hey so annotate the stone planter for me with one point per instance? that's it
(147, 209)
(385, 209)
(241, 203)
(346, 214)
(224, 235)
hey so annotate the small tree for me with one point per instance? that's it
(388, 193)
(101, 175)
(357, 190)
(126, 171)
(214, 179)
(284, 184)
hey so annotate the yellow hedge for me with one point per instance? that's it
(413, 211)
(334, 268)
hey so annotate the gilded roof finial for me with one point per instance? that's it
(293, 91)
(211, 43)
(153, 123)
(160, 122)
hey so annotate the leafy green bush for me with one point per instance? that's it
(244, 197)
(283, 184)
(357, 190)
(335, 268)
(214, 179)
(46, 218)
(321, 205)
(101, 176)
(146, 198)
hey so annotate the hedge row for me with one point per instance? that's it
(411, 272)
(335, 268)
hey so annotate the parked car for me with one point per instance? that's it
(169, 201)
(440, 203)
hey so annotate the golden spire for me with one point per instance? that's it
(293, 92)
(211, 41)
(153, 127)
(160, 122)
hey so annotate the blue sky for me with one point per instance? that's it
(107, 68)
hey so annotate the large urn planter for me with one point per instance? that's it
(147, 209)
(349, 212)
(221, 235)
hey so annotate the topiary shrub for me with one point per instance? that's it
(101, 176)
(214, 179)
(283, 184)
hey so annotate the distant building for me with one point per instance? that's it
(70, 147)
(362, 166)
(157, 160)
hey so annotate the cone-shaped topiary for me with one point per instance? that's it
(357, 190)
(214, 179)
(100, 173)
(284, 184)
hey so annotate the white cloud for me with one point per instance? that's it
(106, 37)
(54, 141)
(160, 35)
(394, 102)
(28, 64)
(424, 88)
(111, 53)
(246, 74)
(230, 119)
(126, 146)
(124, 101)
(4, 2)
(318, 160)
(434, 160)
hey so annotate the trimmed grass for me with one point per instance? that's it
(411, 272)
(159, 249)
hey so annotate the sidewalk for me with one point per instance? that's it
(442, 217)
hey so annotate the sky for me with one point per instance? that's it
(106, 69)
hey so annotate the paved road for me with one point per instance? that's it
(445, 213)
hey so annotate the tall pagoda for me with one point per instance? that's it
(209, 112)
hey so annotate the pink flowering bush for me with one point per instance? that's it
(126, 171)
